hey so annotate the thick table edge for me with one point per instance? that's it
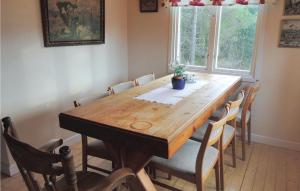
(121, 136)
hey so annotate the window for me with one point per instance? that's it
(216, 39)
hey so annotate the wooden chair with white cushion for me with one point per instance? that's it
(57, 170)
(95, 148)
(244, 116)
(143, 80)
(229, 131)
(120, 87)
(193, 162)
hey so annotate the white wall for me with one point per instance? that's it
(276, 110)
(148, 41)
(38, 83)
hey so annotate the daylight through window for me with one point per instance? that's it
(216, 39)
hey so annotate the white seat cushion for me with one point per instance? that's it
(184, 161)
(239, 117)
(97, 148)
(143, 80)
(218, 114)
(227, 134)
(122, 87)
(199, 134)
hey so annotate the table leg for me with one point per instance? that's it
(135, 160)
(145, 180)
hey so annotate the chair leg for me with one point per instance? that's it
(154, 173)
(200, 186)
(243, 137)
(249, 131)
(113, 165)
(217, 175)
(169, 177)
(84, 153)
(233, 145)
(222, 170)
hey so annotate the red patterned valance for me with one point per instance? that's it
(168, 3)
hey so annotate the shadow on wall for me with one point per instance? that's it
(41, 123)
(38, 127)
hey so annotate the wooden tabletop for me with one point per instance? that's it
(155, 128)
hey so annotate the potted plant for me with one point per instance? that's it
(178, 80)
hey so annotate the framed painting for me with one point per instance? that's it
(290, 33)
(148, 5)
(73, 22)
(291, 7)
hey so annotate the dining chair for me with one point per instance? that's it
(96, 148)
(229, 133)
(244, 116)
(57, 170)
(143, 80)
(120, 87)
(194, 161)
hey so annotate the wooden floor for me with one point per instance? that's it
(267, 168)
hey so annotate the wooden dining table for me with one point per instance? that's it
(135, 130)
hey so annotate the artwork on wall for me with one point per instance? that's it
(73, 22)
(149, 5)
(290, 33)
(292, 7)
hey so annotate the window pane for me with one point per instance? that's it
(194, 35)
(237, 37)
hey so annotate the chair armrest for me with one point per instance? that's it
(51, 145)
(112, 181)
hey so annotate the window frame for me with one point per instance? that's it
(212, 46)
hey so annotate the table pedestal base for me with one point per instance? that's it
(135, 160)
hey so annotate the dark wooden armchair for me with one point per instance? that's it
(51, 165)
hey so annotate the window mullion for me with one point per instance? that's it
(211, 44)
(215, 43)
(194, 35)
(177, 31)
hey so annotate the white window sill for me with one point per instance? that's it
(246, 77)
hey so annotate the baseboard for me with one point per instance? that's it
(276, 142)
(9, 169)
(12, 169)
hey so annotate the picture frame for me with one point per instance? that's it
(290, 33)
(147, 6)
(291, 7)
(72, 22)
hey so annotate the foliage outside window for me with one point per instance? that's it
(217, 39)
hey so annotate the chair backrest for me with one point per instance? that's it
(212, 136)
(86, 100)
(120, 87)
(235, 106)
(252, 91)
(30, 159)
(144, 79)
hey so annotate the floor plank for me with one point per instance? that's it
(266, 168)
(280, 171)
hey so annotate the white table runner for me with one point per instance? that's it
(167, 95)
